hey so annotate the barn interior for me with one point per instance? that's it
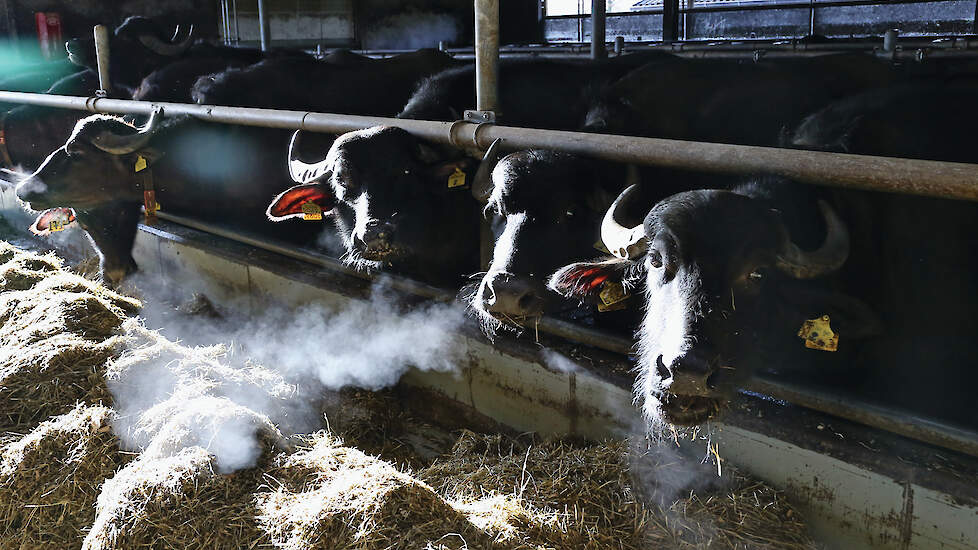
(489, 274)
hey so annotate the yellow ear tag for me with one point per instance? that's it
(157, 206)
(613, 297)
(56, 225)
(818, 334)
(311, 212)
(457, 179)
(140, 163)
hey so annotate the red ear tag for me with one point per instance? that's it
(149, 203)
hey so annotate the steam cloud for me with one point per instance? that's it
(267, 379)
(411, 31)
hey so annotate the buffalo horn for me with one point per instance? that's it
(172, 48)
(302, 172)
(627, 243)
(129, 143)
(828, 258)
(482, 184)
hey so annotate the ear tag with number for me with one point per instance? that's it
(818, 334)
(311, 212)
(56, 225)
(457, 179)
(140, 164)
(613, 297)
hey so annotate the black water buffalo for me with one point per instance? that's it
(197, 170)
(31, 132)
(393, 203)
(203, 170)
(140, 46)
(546, 209)
(726, 101)
(537, 186)
(368, 178)
(381, 86)
(871, 292)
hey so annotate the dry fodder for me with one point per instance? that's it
(379, 424)
(178, 501)
(50, 479)
(334, 497)
(57, 330)
(556, 494)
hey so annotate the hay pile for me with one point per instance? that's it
(49, 479)
(532, 493)
(67, 481)
(57, 330)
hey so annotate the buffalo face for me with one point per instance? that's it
(94, 167)
(712, 261)
(389, 197)
(546, 206)
(93, 174)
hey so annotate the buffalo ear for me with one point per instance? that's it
(585, 280)
(852, 318)
(43, 223)
(289, 203)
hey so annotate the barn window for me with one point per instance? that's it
(641, 20)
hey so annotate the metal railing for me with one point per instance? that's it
(916, 177)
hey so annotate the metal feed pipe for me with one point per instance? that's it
(916, 177)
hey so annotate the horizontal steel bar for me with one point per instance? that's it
(916, 177)
(901, 423)
(755, 6)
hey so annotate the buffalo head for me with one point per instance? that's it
(715, 265)
(392, 199)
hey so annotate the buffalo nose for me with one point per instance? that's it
(692, 373)
(509, 295)
(378, 233)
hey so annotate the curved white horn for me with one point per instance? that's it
(302, 172)
(168, 49)
(627, 243)
(129, 143)
(828, 258)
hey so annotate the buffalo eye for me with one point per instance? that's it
(655, 258)
(755, 276)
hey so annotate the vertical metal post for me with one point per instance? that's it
(619, 45)
(670, 20)
(102, 57)
(225, 38)
(811, 17)
(263, 26)
(487, 54)
(234, 10)
(598, 48)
